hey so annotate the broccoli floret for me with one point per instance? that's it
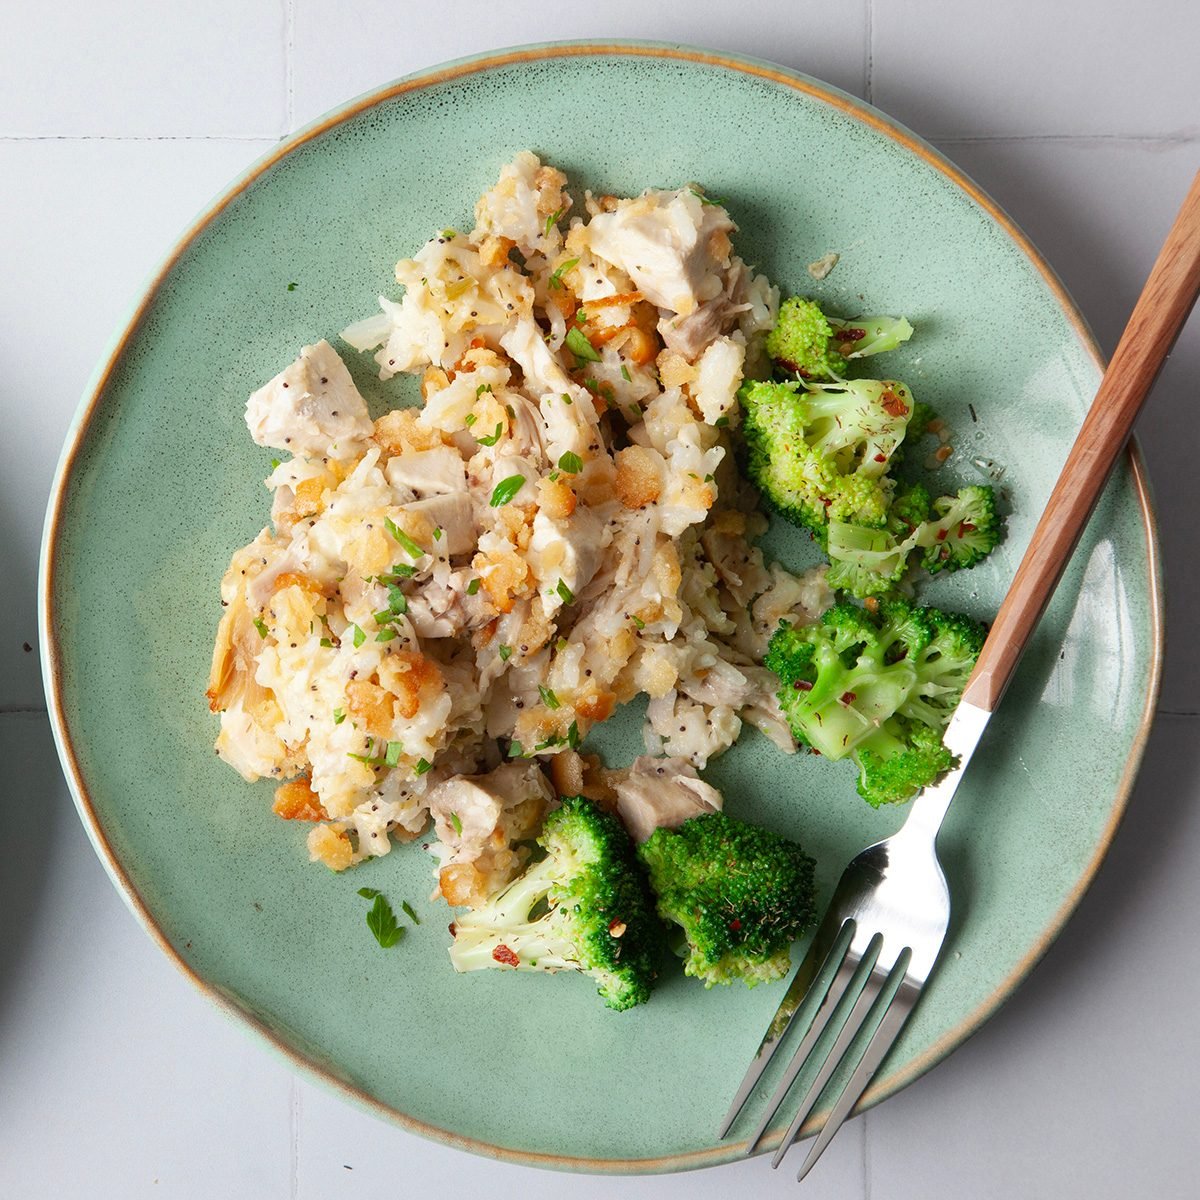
(899, 760)
(879, 687)
(965, 528)
(597, 916)
(821, 453)
(954, 532)
(808, 343)
(740, 894)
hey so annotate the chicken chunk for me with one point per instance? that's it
(662, 793)
(436, 472)
(671, 244)
(311, 407)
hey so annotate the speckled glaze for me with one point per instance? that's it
(159, 483)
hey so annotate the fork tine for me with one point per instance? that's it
(848, 970)
(793, 1001)
(872, 989)
(901, 1006)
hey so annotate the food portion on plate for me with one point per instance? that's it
(451, 596)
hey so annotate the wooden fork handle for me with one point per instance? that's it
(1159, 315)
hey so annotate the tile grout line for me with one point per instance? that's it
(289, 67)
(869, 53)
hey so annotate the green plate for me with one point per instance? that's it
(159, 482)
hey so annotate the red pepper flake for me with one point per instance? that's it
(502, 954)
(849, 697)
(941, 536)
(735, 924)
(892, 404)
(881, 458)
(852, 335)
(802, 685)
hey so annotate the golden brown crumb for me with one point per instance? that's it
(555, 497)
(331, 847)
(638, 482)
(406, 674)
(371, 707)
(399, 431)
(296, 801)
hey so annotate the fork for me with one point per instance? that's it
(881, 935)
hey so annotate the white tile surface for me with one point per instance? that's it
(116, 1078)
(84, 222)
(341, 1153)
(129, 68)
(1028, 67)
(351, 46)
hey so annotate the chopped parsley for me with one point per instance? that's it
(483, 387)
(423, 765)
(359, 636)
(470, 420)
(552, 220)
(369, 893)
(437, 534)
(456, 823)
(505, 653)
(493, 438)
(291, 287)
(260, 625)
(381, 921)
(406, 543)
(571, 463)
(327, 643)
(705, 199)
(579, 346)
(506, 489)
(409, 913)
(275, 463)
(555, 280)
(549, 699)
(397, 601)
(339, 715)
(721, 422)
(625, 373)
(514, 750)
(473, 587)
(386, 635)
(573, 735)
(567, 399)
(565, 594)
(391, 756)
(638, 622)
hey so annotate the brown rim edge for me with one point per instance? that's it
(882, 1088)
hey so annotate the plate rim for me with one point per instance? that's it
(87, 410)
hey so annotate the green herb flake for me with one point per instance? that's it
(473, 587)
(381, 921)
(549, 699)
(456, 823)
(505, 653)
(560, 645)
(423, 765)
(275, 463)
(721, 422)
(492, 439)
(406, 543)
(449, 234)
(397, 601)
(437, 534)
(470, 420)
(556, 279)
(571, 463)
(552, 220)
(383, 617)
(260, 625)
(359, 636)
(391, 757)
(291, 287)
(506, 489)
(483, 387)
(514, 750)
(625, 374)
(566, 595)
(567, 399)
(386, 635)
(339, 715)
(580, 346)
(638, 622)
(369, 893)
(705, 199)
(327, 643)
(409, 912)
(573, 735)
(581, 316)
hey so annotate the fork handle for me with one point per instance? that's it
(1157, 318)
